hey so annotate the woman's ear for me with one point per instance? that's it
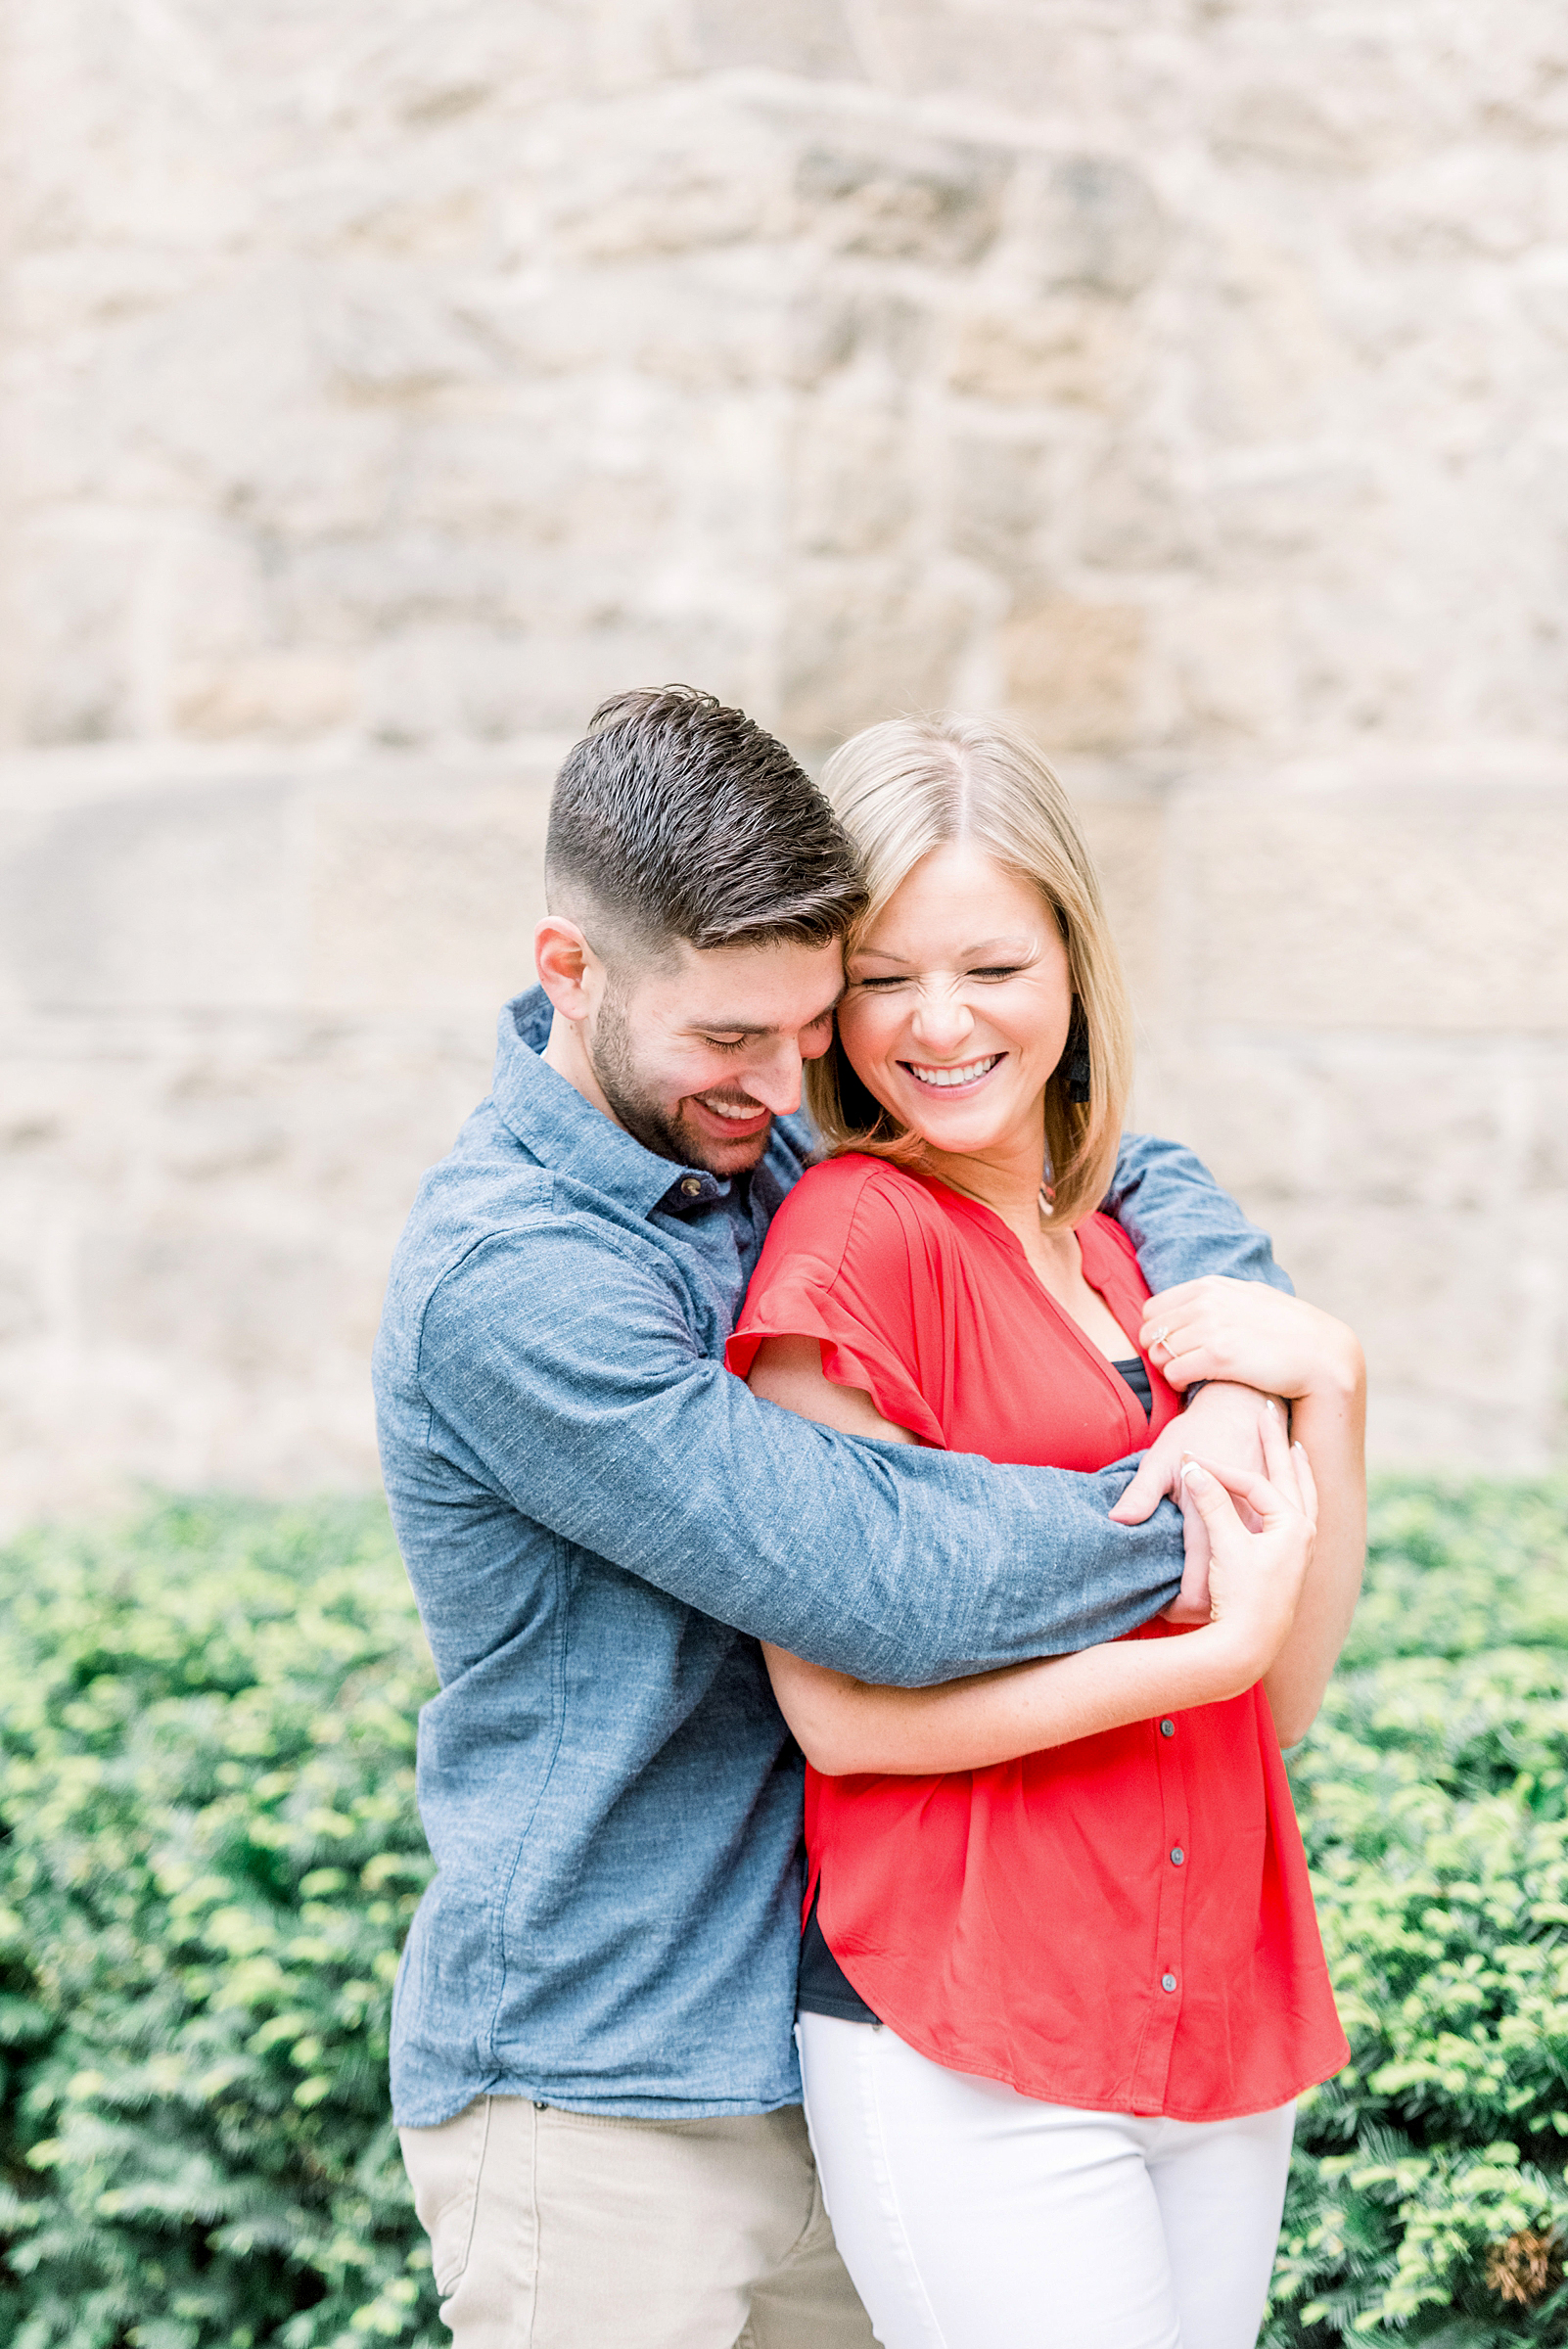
(563, 959)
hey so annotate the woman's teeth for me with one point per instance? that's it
(945, 1078)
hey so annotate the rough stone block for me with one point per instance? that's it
(1066, 349)
(1136, 513)
(832, 327)
(1075, 671)
(73, 661)
(1422, 904)
(1225, 656)
(915, 202)
(853, 654)
(1544, 1170)
(998, 502)
(809, 37)
(1125, 836)
(424, 897)
(1471, 1341)
(1094, 223)
(181, 896)
(671, 175)
(1424, 1128)
(852, 487)
(1254, 1115)
(292, 696)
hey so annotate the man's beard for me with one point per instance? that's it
(613, 1061)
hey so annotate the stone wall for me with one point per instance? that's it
(383, 383)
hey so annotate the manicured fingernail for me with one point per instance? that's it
(1272, 1407)
(1192, 1473)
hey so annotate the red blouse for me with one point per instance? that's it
(1122, 1924)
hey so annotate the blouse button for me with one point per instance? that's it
(1168, 1728)
(1177, 1855)
(1168, 1981)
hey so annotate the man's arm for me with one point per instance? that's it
(1179, 1220)
(561, 1372)
(1183, 1225)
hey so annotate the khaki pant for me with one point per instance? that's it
(564, 2231)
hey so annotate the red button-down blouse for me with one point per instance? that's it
(1122, 1924)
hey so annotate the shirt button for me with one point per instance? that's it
(1168, 1728)
(1177, 1855)
(691, 1188)
(1168, 1981)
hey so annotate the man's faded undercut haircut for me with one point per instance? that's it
(675, 817)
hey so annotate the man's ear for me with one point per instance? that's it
(564, 960)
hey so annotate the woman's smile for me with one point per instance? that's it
(968, 1076)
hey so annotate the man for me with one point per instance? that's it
(592, 2059)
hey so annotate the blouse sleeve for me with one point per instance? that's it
(839, 1266)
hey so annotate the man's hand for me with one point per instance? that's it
(1224, 1423)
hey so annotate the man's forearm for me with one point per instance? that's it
(895, 1563)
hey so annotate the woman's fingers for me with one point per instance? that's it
(1168, 1303)
(1272, 1507)
(1307, 1482)
(1214, 1503)
(1279, 1464)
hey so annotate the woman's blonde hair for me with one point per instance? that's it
(911, 785)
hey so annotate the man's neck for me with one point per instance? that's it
(564, 1052)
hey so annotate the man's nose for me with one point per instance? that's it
(775, 1077)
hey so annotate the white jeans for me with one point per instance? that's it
(973, 2218)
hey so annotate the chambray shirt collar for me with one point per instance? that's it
(558, 1128)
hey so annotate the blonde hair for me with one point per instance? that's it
(911, 785)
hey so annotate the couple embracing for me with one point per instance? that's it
(720, 1431)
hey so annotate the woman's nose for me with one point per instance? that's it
(941, 1021)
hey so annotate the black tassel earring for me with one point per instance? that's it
(1078, 1057)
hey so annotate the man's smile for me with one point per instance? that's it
(729, 1119)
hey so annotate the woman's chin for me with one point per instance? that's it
(957, 1136)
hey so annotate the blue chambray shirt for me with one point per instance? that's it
(600, 1523)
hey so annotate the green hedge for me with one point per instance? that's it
(211, 1861)
(209, 1855)
(1428, 2194)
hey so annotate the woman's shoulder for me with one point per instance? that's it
(859, 1219)
(838, 1194)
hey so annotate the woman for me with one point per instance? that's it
(1061, 1981)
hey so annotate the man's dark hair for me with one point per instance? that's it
(678, 817)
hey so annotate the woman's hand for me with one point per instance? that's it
(1246, 1331)
(1256, 1579)
(847, 1729)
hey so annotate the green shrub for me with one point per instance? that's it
(210, 1858)
(1428, 2194)
(209, 1855)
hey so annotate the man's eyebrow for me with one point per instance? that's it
(757, 1027)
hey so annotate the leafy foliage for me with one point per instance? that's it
(209, 1854)
(1428, 2195)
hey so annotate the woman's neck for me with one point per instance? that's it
(1006, 1179)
